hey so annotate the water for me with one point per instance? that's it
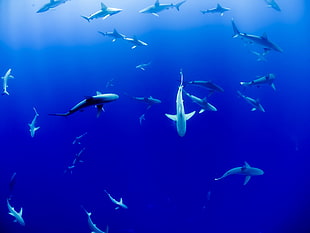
(58, 58)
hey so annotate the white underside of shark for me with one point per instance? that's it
(32, 125)
(5, 81)
(92, 226)
(17, 215)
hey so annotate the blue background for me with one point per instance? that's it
(58, 58)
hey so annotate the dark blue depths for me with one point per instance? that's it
(166, 181)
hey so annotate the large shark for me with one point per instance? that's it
(267, 79)
(273, 4)
(32, 125)
(51, 4)
(115, 35)
(135, 42)
(218, 9)
(92, 226)
(97, 100)
(245, 170)
(260, 40)
(203, 103)
(119, 203)
(103, 13)
(255, 103)
(5, 81)
(158, 7)
(180, 118)
(18, 216)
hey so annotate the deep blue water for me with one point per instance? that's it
(58, 58)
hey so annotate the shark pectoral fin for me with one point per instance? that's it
(247, 178)
(113, 40)
(172, 117)
(117, 207)
(273, 86)
(36, 128)
(155, 14)
(133, 47)
(105, 17)
(202, 110)
(11, 214)
(189, 115)
(253, 109)
(11, 76)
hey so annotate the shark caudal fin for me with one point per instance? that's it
(85, 17)
(5, 92)
(236, 31)
(177, 6)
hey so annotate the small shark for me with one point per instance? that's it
(218, 9)
(103, 13)
(5, 81)
(12, 183)
(149, 100)
(115, 35)
(143, 66)
(212, 87)
(118, 203)
(32, 125)
(98, 100)
(273, 4)
(255, 103)
(260, 40)
(142, 118)
(92, 226)
(135, 42)
(76, 160)
(18, 216)
(158, 7)
(51, 4)
(180, 118)
(203, 103)
(246, 170)
(78, 138)
(261, 56)
(267, 79)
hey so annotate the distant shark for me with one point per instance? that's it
(32, 125)
(51, 4)
(18, 216)
(255, 103)
(261, 56)
(273, 4)
(260, 40)
(158, 7)
(5, 81)
(119, 203)
(135, 42)
(149, 100)
(203, 103)
(92, 226)
(210, 86)
(103, 13)
(78, 138)
(98, 100)
(143, 66)
(115, 35)
(180, 118)
(246, 170)
(267, 79)
(218, 9)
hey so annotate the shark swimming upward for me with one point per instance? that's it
(158, 7)
(181, 117)
(5, 81)
(103, 13)
(245, 170)
(18, 216)
(32, 125)
(92, 226)
(259, 40)
(97, 100)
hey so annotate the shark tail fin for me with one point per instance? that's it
(5, 92)
(236, 31)
(177, 6)
(85, 17)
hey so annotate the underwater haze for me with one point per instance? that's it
(89, 160)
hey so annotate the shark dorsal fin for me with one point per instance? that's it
(21, 211)
(52, 1)
(121, 200)
(156, 3)
(103, 7)
(264, 36)
(98, 93)
(246, 165)
(218, 6)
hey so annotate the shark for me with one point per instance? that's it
(5, 81)
(260, 56)
(203, 103)
(149, 100)
(97, 100)
(92, 226)
(77, 159)
(119, 203)
(78, 138)
(115, 35)
(158, 7)
(245, 170)
(143, 66)
(260, 40)
(267, 79)
(255, 103)
(17, 215)
(273, 4)
(103, 13)
(209, 85)
(218, 9)
(51, 4)
(135, 42)
(181, 117)
(142, 118)
(32, 125)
